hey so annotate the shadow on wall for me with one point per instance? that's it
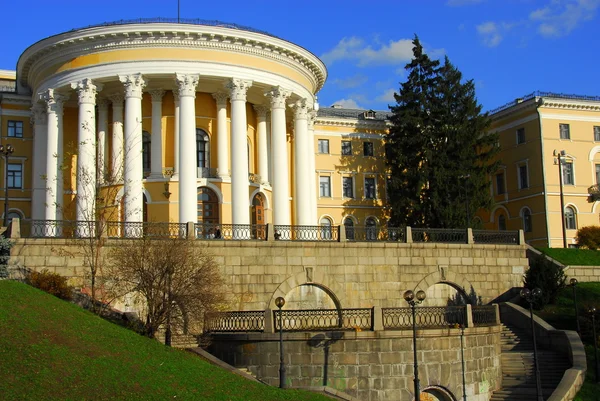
(325, 341)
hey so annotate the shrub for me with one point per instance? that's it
(5, 245)
(589, 237)
(548, 277)
(52, 283)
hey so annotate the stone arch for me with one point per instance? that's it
(493, 212)
(440, 393)
(318, 278)
(443, 276)
(265, 197)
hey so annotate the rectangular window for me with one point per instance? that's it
(15, 129)
(520, 136)
(523, 181)
(325, 187)
(15, 175)
(567, 171)
(368, 148)
(346, 148)
(596, 133)
(500, 184)
(348, 187)
(565, 131)
(370, 192)
(324, 146)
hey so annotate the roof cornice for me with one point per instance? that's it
(354, 123)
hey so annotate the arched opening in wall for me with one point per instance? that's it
(208, 206)
(203, 153)
(371, 228)
(436, 393)
(447, 294)
(146, 152)
(349, 227)
(258, 209)
(326, 227)
(310, 296)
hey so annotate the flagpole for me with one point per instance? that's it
(178, 1)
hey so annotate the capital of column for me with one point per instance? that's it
(261, 111)
(86, 90)
(220, 98)
(103, 104)
(301, 109)
(134, 84)
(53, 101)
(157, 95)
(312, 117)
(38, 114)
(278, 96)
(238, 88)
(116, 99)
(187, 84)
(176, 93)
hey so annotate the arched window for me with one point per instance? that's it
(146, 151)
(203, 149)
(501, 222)
(527, 225)
(325, 224)
(570, 218)
(371, 229)
(349, 227)
(208, 206)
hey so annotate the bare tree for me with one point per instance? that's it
(177, 280)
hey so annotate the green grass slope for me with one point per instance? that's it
(573, 257)
(54, 350)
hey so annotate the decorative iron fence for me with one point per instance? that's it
(374, 233)
(306, 233)
(458, 236)
(426, 317)
(207, 172)
(484, 315)
(212, 231)
(239, 321)
(122, 229)
(59, 229)
(495, 237)
(324, 319)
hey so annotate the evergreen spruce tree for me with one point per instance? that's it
(439, 151)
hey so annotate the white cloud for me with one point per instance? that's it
(460, 3)
(351, 82)
(387, 96)
(356, 49)
(490, 33)
(560, 17)
(347, 104)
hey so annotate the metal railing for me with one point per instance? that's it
(207, 172)
(375, 233)
(324, 319)
(495, 237)
(306, 233)
(426, 317)
(59, 229)
(238, 321)
(484, 315)
(240, 232)
(123, 229)
(458, 236)
(543, 94)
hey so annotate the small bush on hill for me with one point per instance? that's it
(589, 237)
(52, 283)
(5, 245)
(548, 277)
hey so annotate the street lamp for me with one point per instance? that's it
(592, 312)
(462, 360)
(559, 157)
(573, 283)
(279, 302)
(6, 151)
(409, 296)
(530, 296)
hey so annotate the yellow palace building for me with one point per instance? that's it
(192, 122)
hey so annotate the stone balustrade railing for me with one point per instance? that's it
(356, 319)
(259, 232)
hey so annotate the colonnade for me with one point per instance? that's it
(126, 151)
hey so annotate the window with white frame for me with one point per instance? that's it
(15, 176)
(203, 148)
(597, 133)
(15, 129)
(565, 131)
(520, 136)
(371, 229)
(349, 227)
(500, 184)
(325, 224)
(325, 186)
(348, 187)
(567, 172)
(324, 146)
(346, 148)
(527, 224)
(370, 188)
(570, 218)
(523, 176)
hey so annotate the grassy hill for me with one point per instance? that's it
(53, 350)
(574, 257)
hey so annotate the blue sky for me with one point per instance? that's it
(508, 47)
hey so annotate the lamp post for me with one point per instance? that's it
(6, 151)
(559, 155)
(592, 312)
(573, 283)
(279, 302)
(409, 296)
(530, 296)
(468, 217)
(462, 360)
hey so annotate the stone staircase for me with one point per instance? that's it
(518, 371)
(179, 340)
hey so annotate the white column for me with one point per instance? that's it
(62, 163)
(102, 139)
(222, 142)
(117, 137)
(261, 133)
(269, 149)
(240, 205)
(301, 164)
(176, 134)
(86, 155)
(312, 179)
(280, 184)
(187, 148)
(39, 161)
(133, 171)
(156, 149)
